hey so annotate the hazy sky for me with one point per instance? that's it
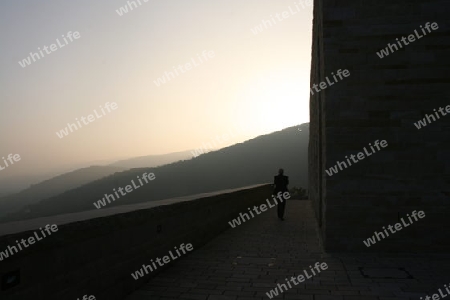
(259, 83)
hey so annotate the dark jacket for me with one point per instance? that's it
(280, 183)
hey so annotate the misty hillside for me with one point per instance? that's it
(152, 160)
(252, 162)
(53, 187)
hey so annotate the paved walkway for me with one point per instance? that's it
(248, 261)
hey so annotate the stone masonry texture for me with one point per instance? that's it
(380, 100)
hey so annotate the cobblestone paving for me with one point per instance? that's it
(249, 260)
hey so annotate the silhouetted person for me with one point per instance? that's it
(280, 183)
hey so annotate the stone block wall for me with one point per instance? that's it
(94, 253)
(381, 100)
(316, 148)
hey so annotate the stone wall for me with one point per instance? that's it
(381, 100)
(94, 253)
(316, 137)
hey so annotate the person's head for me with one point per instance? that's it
(280, 171)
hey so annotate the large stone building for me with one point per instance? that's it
(381, 99)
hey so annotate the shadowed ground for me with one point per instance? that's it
(249, 260)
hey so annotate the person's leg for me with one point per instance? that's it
(282, 206)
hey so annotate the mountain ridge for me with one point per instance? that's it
(251, 162)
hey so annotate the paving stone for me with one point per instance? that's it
(248, 261)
